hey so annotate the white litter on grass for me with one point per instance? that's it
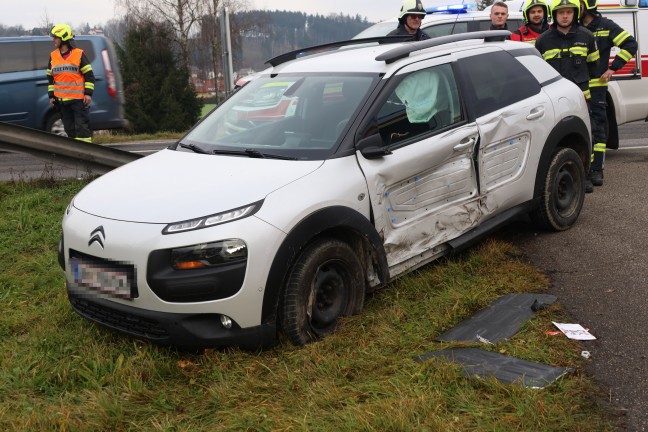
(484, 340)
(574, 331)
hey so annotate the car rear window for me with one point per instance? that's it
(496, 80)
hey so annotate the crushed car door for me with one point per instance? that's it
(416, 151)
(512, 114)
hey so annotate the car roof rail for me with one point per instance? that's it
(406, 49)
(292, 55)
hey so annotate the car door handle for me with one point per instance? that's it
(464, 144)
(536, 113)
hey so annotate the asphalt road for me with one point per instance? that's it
(598, 272)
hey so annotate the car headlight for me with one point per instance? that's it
(208, 254)
(211, 220)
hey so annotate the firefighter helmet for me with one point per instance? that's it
(62, 31)
(528, 4)
(564, 4)
(412, 7)
(590, 5)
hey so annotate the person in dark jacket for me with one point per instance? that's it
(608, 34)
(498, 16)
(411, 15)
(536, 19)
(71, 83)
(570, 49)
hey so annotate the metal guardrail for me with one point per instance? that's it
(91, 158)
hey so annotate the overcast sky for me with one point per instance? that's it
(31, 13)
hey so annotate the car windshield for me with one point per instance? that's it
(296, 117)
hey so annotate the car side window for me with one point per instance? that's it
(16, 57)
(423, 102)
(447, 29)
(43, 49)
(496, 80)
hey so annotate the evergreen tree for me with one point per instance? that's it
(158, 94)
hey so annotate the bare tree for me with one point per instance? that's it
(45, 23)
(180, 14)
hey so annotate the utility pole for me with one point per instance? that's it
(226, 44)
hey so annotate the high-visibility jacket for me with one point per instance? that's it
(609, 34)
(574, 55)
(70, 77)
(528, 33)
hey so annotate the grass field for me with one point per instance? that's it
(60, 372)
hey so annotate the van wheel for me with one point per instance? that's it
(325, 284)
(563, 192)
(54, 125)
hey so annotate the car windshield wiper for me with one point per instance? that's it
(253, 154)
(195, 148)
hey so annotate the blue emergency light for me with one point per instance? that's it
(453, 8)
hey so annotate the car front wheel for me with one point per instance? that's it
(54, 125)
(563, 192)
(325, 284)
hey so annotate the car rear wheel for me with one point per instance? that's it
(325, 284)
(563, 192)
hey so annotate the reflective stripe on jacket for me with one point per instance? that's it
(528, 34)
(609, 34)
(574, 55)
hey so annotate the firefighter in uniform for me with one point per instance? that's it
(608, 34)
(570, 49)
(410, 18)
(536, 17)
(71, 83)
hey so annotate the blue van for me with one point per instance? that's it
(23, 83)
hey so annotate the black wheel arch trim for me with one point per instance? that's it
(330, 219)
(581, 142)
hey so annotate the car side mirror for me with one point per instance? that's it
(372, 147)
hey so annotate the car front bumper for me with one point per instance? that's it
(182, 330)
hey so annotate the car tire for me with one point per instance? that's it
(325, 283)
(54, 124)
(563, 192)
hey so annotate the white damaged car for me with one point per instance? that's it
(390, 156)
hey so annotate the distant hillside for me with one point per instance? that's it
(272, 33)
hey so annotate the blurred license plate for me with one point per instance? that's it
(112, 282)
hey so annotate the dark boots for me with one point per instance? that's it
(596, 177)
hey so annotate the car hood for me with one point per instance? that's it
(172, 186)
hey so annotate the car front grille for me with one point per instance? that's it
(126, 322)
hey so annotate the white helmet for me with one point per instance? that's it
(412, 7)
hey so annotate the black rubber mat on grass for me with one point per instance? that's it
(499, 321)
(484, 364)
